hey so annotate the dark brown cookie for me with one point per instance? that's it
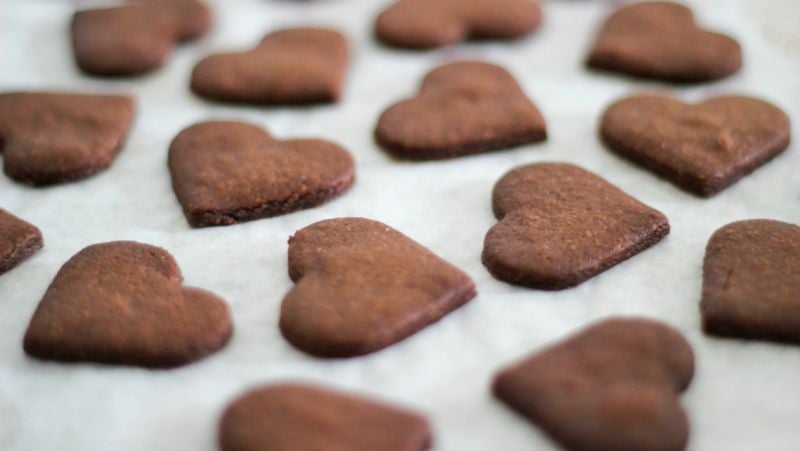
(362, 286)
(294, 417)
(612, 387)
(49, 138)
(425, 24)
(123, 303)
(292, 66)
(561, 225)
(702, 148)
(463, 108)
(228, 172)
(751, 281)
(661, 40)
(18, 240)
(136, 37)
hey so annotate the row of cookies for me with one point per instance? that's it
(612, 386)
(655, 39)
(558, 226)
(462, 108)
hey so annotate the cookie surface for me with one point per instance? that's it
(292, 66)
(295, 417)
(613, 386)
(122, 303)
(560, 225)
(702, 148)
(50, 138)
(661, 40)
(424, 24)
(136, 37)
(228, 172)
(18, 241)
(462, 108)
(362, 286)
(751, 281)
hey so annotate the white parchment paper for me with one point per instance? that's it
(745, 396)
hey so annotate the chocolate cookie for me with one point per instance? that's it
(362, 286)
(661, 40)
(561, 225)
(18, 241)
(613, 386)
(123, 303)
(702, 148)
(424, 24)
(136, 37)
(294, 417)
(751, 281)
(229, 172)
(463, 108)
(292, 66)
(48, 138)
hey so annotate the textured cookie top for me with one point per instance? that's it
(224, 172)
(122, 302)
(50, 137)
(560, 224)
(462, 108)
(612, 386)
(703, 147)
(135, 37)
(289, 417)
(297, 65)
(425, 24)
(661, 40)
(362, 286)
(751, 281)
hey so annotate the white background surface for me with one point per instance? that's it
(745, 396)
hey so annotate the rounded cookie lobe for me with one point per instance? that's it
(661, 40)
(751, 281)
(289, 417)
(613, 386)
(18, 241)
(136, 37)
(228, 172)
(560, 225)
(291, 66)
(462, 108)
(702, 148)
(51, 137)
(362, 286)
(122, 303)
(425, 24)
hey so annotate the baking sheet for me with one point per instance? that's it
(744, 396)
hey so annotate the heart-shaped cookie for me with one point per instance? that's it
(18, 240)
(122, 303)
(751, 281)
(702, 148)
(293, 417)
(49, 138)
(292, 66)
(613, 386)
(136, 37)
(424, 24)
(561, 225)
(229, 172)
(362, 286)
(661, 40)
(463, 108)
